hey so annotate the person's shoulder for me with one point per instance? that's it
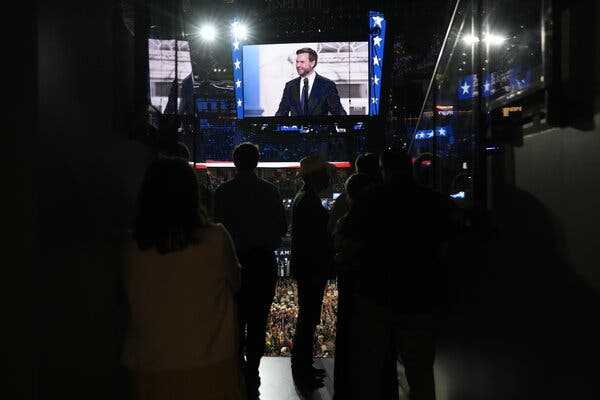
(292, 82)
(324, 80)
(266, 185)
(216, 230)
(376, 191)
(227, 185)
(299, 198)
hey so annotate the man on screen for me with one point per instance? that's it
(310, 93)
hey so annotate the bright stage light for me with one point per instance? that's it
(239, 30)
(488, 38)
(493, 39)
(470, 39)
(208, 33)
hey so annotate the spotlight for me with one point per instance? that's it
(208, 33)
(493, 39)
(239, 30)
(470, 39)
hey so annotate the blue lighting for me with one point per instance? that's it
(467, 86)
(359, 126)
(238, 76)
(459, 195)
(289, 128)
(442, 131)
(377, 25)
(519, 80)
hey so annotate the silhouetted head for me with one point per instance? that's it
(315, 173)
(245, 156)
(178, 149)
(356, 185)
(169, 212)
(368, 164)
(396, 166)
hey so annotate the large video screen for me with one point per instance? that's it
(161, 64)
(337, 79)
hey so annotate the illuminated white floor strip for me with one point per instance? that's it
(277, 383)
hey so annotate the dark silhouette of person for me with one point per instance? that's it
(310, 264)
(399, 227)
(252, 210)
(347, 282)
(181, 150)
(310, 93)
(366, 163)
(181, 278)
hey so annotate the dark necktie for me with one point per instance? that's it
(304, 98)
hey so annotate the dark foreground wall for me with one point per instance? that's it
(527, 324)
(86, 174)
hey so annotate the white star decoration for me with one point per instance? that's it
(377, 21)
(238, 83)
(374, 100)
(236, 45)
(442, 132)
(239, 103)
(375, 60)
(465, 88)
(486, 86)
(237, 64)
(376, 80)
(377, 41)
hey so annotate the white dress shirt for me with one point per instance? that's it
(311, 80)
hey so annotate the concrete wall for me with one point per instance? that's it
(561, 168)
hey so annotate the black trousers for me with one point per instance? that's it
(346, 285)
(387, 335)
(310, 300)
(259, 278)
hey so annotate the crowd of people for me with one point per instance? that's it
(218, 143)
(207, 302)
(282, 321)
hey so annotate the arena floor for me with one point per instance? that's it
(277, 383)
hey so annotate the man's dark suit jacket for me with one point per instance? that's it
(311, 247)
(323, 99)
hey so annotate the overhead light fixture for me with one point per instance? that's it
(493, 39)
(470, 39)
(488, 38)
(208, 33)
(239, 31)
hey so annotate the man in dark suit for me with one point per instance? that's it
(311, 262)
(310, 93)
(252, 211)
(401, 292)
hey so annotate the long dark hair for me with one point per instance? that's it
(169, 213)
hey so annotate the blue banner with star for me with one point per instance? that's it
(238, 86)
(377, 25)
(442, 132)
(467, 86)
